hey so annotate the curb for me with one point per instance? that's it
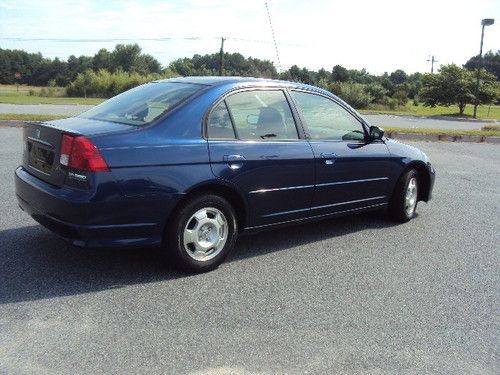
(396, 135)
(442, 137)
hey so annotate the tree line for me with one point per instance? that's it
(34, 69)
(108, 73)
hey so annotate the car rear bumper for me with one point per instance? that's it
(77, 217)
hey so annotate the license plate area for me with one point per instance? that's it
(39, 157)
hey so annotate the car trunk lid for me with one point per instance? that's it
(42, 143)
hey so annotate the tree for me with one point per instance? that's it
(491, 63)
(102, 60)
(455, 86)
(339, 74)
(124, 56)
(398, 77)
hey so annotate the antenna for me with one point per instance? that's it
(274, 37)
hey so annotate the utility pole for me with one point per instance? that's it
(484, 22)
(432, 60)
(221, 56)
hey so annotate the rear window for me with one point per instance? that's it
(142, 104)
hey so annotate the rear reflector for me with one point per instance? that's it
(81, 154)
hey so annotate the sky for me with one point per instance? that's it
(379, 35)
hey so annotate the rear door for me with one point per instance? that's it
(254, 144)
(351, 171)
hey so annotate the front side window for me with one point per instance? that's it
(262, 115)
(326, 120)
(142, 104)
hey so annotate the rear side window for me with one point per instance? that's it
(326, 120)
(219, 124)
(262, 115)
(142, 104)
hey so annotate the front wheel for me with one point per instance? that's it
(403, 203)
(201, 234)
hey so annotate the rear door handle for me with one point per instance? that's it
(234, 161)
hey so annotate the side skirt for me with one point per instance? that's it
(313, 218)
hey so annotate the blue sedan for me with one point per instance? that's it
(188, 164)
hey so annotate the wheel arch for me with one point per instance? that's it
(424, 181)
(221, 188)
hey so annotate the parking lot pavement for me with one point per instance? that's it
(356, 295)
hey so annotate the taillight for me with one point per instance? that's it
(80, 153)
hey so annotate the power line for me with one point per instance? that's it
(274, 37)
(93, 40)
(164, 39)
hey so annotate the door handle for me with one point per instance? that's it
(329, 157)
(234, 161)
(230, 158)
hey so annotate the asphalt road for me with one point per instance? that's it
(354, 295)
(438, 122)
(44, 109)
(379, 120)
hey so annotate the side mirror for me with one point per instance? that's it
(376, 133)
(252, 119)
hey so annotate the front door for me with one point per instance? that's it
(352, 172)
(254, 144)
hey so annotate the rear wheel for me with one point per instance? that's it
(201, 234)
(403, 203)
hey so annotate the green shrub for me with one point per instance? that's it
(401, 96)
(103, 84)
(376, 91)
(354, 94)
(392, 103)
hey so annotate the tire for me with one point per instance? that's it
(201, 234)
(403, 203)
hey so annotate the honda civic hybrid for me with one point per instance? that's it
(188, 164)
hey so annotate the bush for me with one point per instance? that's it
(103, 84)
(376, 91)
(392, 103)
(354, 94)
(401, 96)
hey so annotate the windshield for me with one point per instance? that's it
(142, 104)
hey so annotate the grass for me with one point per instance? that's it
(486, 131)
(420, 110)
(24, 98)
(29, 117)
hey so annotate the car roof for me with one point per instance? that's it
(217, 81)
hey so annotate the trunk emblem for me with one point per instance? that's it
(37, 133)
